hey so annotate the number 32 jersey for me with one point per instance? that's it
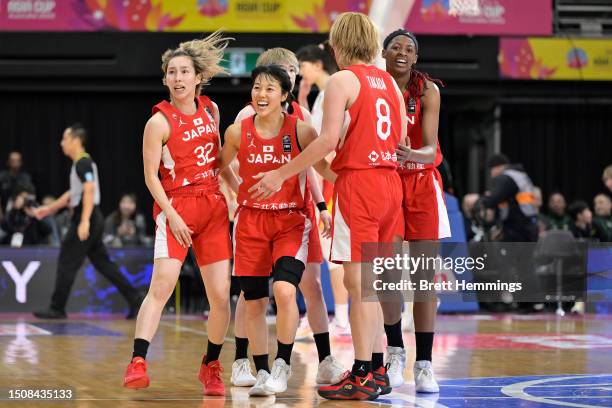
(374, 131)
(189, 157)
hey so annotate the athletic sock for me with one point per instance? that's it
(261, 362)
(141, 346)
(424, 344)
(361, 368)
(394, 334)
(242, 345)
(284, 352)
(212, 352)
(322, 342)
(378, 360)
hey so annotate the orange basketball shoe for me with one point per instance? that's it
(210, 376)
(136, 374)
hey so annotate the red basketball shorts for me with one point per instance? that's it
(424, 215)
(367, 206)
(206, 214)
(261, 237)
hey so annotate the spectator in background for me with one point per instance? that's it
(603, 213)
(512, 196)
(467, 206)
(543, 223)
(58, 223)
(316, 66)
(557, 218)
(125, 226)
(607, 177)
(20, 224)
(582, 225)
(13, 179)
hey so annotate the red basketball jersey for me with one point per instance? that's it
(375, 123)
(414, 113)
(297, 110)
(257, 155)
(189, 157)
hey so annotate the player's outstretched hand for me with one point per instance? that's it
(270, 183)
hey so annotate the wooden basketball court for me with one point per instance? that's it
(480, 361)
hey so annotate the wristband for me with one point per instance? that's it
(322, 206)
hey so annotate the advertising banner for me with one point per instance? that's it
(174, 15)
(481, 17)
(555, 59)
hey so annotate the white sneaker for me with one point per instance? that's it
(258, 390)
(578, 308)
(277, 381)
(336, 329)
(396, 364)
(330, 371)
(241, 373)
(303, 331)
(424, 379)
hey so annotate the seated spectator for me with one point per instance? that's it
(467, 205)
(607, 177)
(125, 227)
(58, 223)
(13, 179)
(543, 223)
(20, 224)
(603, 213)
(582, 225)
(557, 218)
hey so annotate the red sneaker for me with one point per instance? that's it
(136, 374)
(382, 380)
(210, 376)
(351, 387)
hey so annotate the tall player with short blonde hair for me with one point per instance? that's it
(367, 191)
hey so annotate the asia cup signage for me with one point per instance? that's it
(482, 17)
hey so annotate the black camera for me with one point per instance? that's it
(30, 203)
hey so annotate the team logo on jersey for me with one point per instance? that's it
(181, 123)
(287, 144)
(373, 156)
(198, 121)
(250, 139)
(268, 149)
(412, 106)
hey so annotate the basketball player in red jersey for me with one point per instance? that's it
(425, 219)
(270, 235)
(181, 142)
(367, 191)
(329, 370)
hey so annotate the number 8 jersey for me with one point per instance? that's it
(189, 157)
(374, 130)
